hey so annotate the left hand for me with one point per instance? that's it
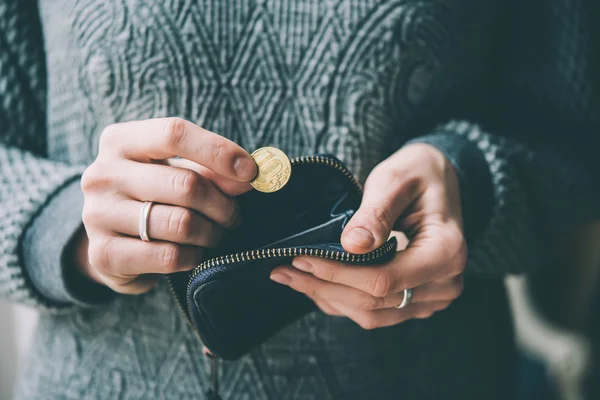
(415, 190)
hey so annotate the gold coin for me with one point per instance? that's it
(274, 169)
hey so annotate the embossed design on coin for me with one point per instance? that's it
(274, 169)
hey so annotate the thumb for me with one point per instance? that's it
(387, 194)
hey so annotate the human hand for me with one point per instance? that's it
(193, 198)
(415, 190)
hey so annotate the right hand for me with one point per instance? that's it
(193, 195)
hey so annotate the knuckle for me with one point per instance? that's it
(185, 184)
(169, 257)
(180, 223)
(94, 256)
(304, 286)
(381, 283)
(90, 214)
(87, 216)
(99, 255)
(108, 137)
(88, 179)
(327, 272)
(406, 182)
(93, 178)
(323, 270)
(174, 132)
(217, 150)
(381, 215)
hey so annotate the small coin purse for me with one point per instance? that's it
(229, 300)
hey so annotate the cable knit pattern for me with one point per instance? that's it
(22, 77)
(355, 78)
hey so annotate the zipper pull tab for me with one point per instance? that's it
(213, 392)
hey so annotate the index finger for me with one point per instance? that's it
(426, 259)
(229, 187)
(163, 138)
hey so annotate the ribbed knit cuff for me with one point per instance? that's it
(473, 171)
(45, 245)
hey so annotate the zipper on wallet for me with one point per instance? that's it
(213, 392)
(252, 255)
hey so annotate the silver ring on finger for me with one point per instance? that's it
(408, 294)
(144, 217)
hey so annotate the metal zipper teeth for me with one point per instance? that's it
(329, 162)
(253, 255)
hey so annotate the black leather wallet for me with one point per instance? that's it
(229, 300)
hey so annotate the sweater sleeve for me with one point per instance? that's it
(28, 181)
(538, 189)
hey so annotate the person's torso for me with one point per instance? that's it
(354, 78)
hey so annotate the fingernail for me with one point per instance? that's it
(361, 237)
(303, 265)
(282, 278)
(245, 168)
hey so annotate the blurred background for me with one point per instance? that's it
(15, 333)
(553, 314)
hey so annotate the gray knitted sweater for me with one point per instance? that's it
(355, 78)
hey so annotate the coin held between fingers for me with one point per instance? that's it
(274, 169)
